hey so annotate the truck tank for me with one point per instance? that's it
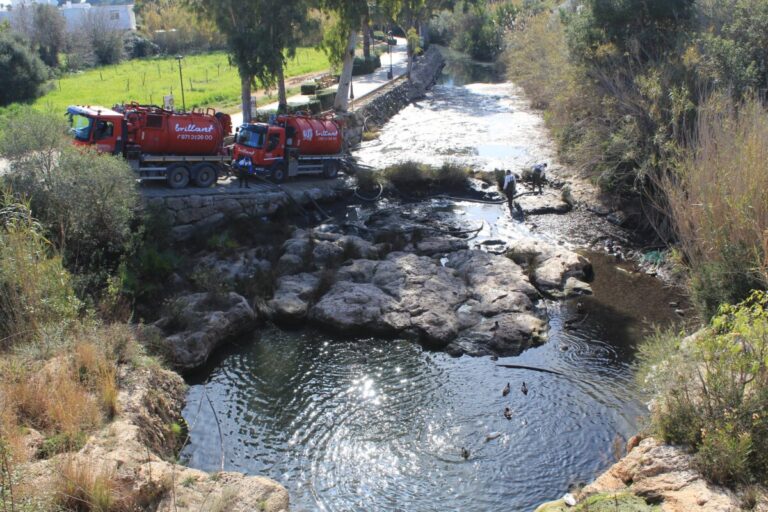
(312, 136)
(158, 131)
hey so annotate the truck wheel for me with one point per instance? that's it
(330, 169)
(278, 173)
(177, 176)
(204, 175)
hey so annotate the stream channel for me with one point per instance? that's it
(369, 424)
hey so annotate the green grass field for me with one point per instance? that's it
(213, 82)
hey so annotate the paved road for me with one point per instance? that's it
(361, 85)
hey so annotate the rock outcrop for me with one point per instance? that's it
(659, 476)
(435, 290)
(200, 322)
(132, 453)
(556, 271)
(664, 474)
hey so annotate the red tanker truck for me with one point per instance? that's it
(159, 144)
(290, 146)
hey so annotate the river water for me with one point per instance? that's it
(369, 424)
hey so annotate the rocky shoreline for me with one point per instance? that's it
(652, 476)
(135, 454)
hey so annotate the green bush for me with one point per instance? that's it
(477, 33)
(84, 199)
(326, 97)
(22, 73)
(312, 105)
(717, 202)
(712, 392)
(35, 289)
(364, 66)
(309, 88)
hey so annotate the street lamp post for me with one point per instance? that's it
(181, 79)
(389, 50)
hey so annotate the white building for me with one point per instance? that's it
(112, 17)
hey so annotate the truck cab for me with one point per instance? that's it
(97, 126)
(263, 143)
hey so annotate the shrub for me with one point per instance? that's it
(326, 97)
(364, 66)
(718, 204)
(35, 289)
(138, 46)
(712, 391)
(309, 88)
(83, 198)
(413, 177)
(477, 33)
(83, 488)
(441, 28)
(22, 73)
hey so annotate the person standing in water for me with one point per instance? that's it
(538, 177)
(510, 188)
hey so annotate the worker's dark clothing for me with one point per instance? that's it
(244, 171)
(538, 177)
(510, 189)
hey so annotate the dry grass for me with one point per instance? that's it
(69, 395)
(83, 488)
(719, 204)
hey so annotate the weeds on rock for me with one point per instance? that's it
(416, 178)
(712, 391)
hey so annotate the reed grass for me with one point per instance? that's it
(719, 204)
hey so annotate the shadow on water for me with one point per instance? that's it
(361, 423)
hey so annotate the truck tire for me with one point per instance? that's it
(177, 176)
(277, 173)
(204, 175)
(330, 169)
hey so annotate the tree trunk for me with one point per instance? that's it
(282, 98)
(341, 102)
(245, 96)
(424, 32)
(366, 36)
(410, 61)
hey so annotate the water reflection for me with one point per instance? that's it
(378, 425)
(367, 424)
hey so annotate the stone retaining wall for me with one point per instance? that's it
(195, 212)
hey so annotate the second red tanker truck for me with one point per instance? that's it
(290, 146)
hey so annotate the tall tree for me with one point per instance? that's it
(283, 33)
(48, 33)
(240, 21)
(340, 42)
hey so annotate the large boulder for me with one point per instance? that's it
(554, 268)
(480, 301)
(663, 474)
(293, 295)
(200, 322)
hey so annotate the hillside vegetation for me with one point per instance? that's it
(644, 97)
